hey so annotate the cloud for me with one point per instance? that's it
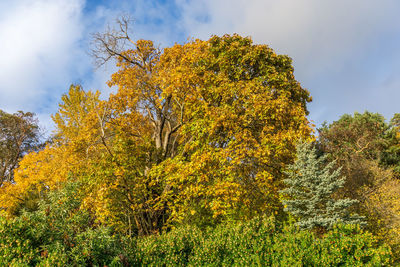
(344, 52)
(39, 40)
(341, 49)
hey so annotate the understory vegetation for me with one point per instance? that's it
(57, 234)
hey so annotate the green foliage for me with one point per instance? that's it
(357, 143)
(25, 241)
(262, 242)
(311, 186)
(242, 244)
(17, 242)
(59, 233)
(391, 155)
(173, 248)
(367, 150)
(361, 133)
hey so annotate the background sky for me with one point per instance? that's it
(345, 52)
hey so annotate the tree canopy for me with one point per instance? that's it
(197, 133)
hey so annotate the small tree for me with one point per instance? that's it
(19, 134)
(311, 185)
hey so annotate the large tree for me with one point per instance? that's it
(223, 116)
(195, 132)
(244, 111)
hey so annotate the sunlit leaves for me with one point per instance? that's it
(243, 113)
(198, 132)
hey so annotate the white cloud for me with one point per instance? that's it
(329, 41)
(343, 50)
(44, 47)
(306, 29)
(39, 40)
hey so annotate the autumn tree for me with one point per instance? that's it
(199, 132)
(19, 135)
(366, 148)
(76, 143)
(89, 144)
(357, 144)
(222, 116)
(383, 206)
(243, 113)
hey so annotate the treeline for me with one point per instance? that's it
(203, 148)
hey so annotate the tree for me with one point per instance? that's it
(311, 188)
(196, 132)
(223, 116)
(19, 135)
(383, 205)
(357, 144)
(243, 113)
(76, 144)
(91, 145)
(391, 155)
(367, 150)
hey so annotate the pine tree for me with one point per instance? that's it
(311, 185)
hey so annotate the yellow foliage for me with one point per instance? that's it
(244, 112)
(198, 132)
(75, 145)
(383, 204)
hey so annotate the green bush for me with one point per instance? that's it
(61, 234)
(261, 242)
(344, 245)
(17, 244)
(173, 248)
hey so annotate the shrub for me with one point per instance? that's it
(61, 234)
(262, 242)
(58, 234)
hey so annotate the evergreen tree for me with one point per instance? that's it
(311, 185)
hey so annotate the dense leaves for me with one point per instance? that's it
(356, 143)
(179, 164)
(60, 234)
(365, 147)
(244, 113)
(197, 133)
(262, 242)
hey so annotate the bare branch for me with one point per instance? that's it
(111, 44)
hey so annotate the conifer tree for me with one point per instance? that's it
(311, 186)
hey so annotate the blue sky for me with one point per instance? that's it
(345, 52)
